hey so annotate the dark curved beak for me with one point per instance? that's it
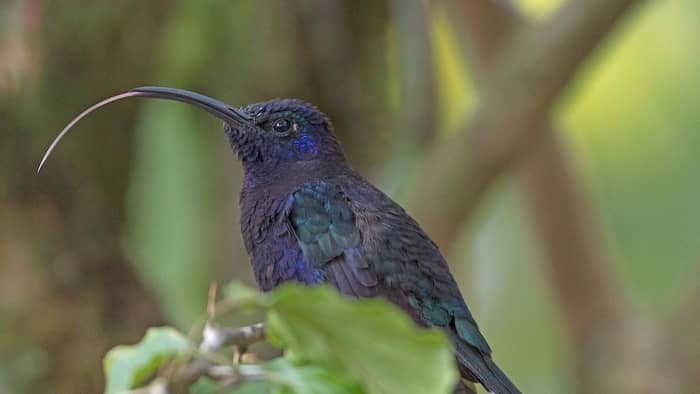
(217, 108)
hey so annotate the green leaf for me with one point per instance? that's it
(127, 366)
(309, 379)
(283, 377)
(370, 339)
(205, 385)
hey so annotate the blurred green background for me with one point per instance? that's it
(136, 213)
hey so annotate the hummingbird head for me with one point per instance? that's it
(273, 139)
(283, 135)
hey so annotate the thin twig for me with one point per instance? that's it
(211, 300)
(205, 363)
(215, 338)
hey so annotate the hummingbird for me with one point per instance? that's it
(307, 216)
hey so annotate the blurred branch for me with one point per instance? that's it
(616, 351)
(683, 327)
(590, 303)
(487, 24)
(573, 255)
(328, 52)
(691, 307)
(529, 74)
(592, 308)
(215, 338)
(416, 115)
(332, 38)
(20, 54)
(574, 258)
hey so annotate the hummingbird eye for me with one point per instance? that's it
(281, 126)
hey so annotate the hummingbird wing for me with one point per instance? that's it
(367, 245)
(323, 222)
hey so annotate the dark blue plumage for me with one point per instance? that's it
(308, 217)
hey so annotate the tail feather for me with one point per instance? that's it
(475, 365)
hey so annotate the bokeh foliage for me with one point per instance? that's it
(332, 345)
(137, 213)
